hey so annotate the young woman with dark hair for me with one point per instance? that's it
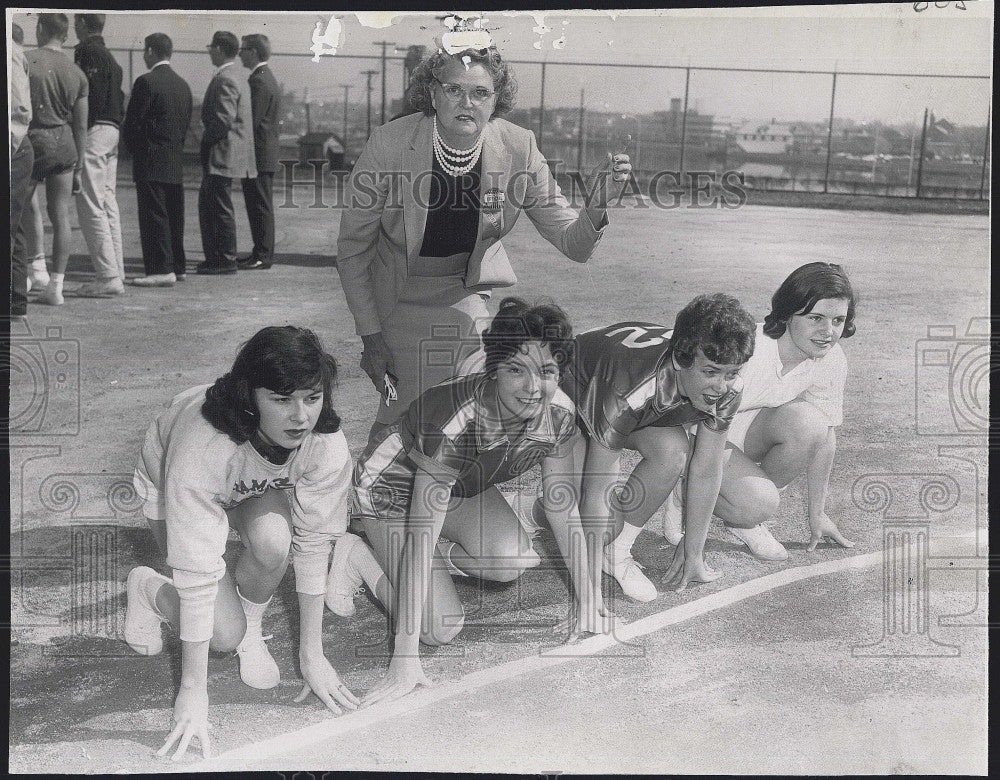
(425, 491)
(793, 401)
(260, 451)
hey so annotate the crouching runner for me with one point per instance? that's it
(793, 401)
(636, 385)
(260, 451)
(427, 497)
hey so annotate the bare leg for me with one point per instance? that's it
(785, 440)
(58, 194)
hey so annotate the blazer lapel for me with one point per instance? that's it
(417, 164)
(495, 175)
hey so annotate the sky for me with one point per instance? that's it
(892, 38)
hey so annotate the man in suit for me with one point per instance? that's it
(156, 122)
(265, 96)
(226, 153)
(96, 202)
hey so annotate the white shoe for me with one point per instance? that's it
(154, 280)
(628, 573)
(142, 621)
(106, 288)
(673, 515)
(38, 274)
(344, 581)
(53, 295)
(257, 667)
(444, 550)
(535, 520)
(762, 544)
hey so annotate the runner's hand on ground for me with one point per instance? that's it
(398, 681)
(823, 527)
(683, 572)
(190, 720)
(319, 677)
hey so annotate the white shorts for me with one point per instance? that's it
(737, 433)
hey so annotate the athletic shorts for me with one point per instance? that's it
(55, 151)
(738, 428)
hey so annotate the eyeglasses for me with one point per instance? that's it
(477, 95)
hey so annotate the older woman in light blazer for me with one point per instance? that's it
(429, 200)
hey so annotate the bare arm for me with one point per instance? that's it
(560, 503)
(428, 506)
(818, 481)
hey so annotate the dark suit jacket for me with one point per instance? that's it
(227, 143)
(157, 119)
(265, 98)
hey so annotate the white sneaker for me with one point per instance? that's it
(762, 544)
(102, 288)
(142, 621)
(444, 550)
(673, 515)
(257, 667)
(155, 280)
(535, 520)
(38, 274)
(628, 573)
(53, 295)
(344, 581)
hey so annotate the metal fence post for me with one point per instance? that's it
(541, 109)
(829, 135)
(684, 117)
(920, 160)
(986, 153)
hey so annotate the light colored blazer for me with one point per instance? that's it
(227, 142)
(383, 225)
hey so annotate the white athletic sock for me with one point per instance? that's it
(56, 281)
(621, 547)
(363, 560)
(38, 264)
(254, 613)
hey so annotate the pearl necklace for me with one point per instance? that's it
(456, 162)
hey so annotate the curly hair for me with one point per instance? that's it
(803, 289)
(718, 325)
(281, 358)
(518, 322)
(422, 79)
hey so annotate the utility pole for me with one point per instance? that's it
(383, 44)
(346, 88)
(368, 96)
(579, 135)
(305, 99)
(920, 160)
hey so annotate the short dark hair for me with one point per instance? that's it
(160, 44)
(282, 358)
(53, 26)
(518, 322)
(425, 74)
(226, 42)
(718, 325)
(93, 22)
(260, 45)
(17, 33)
(803, 289)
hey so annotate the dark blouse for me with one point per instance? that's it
(453, 212)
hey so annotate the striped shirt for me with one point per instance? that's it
(451, 433)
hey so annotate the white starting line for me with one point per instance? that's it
(243, 756)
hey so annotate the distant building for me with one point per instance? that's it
(772, 138)
(324, 145)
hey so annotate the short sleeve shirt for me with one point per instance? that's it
(56, 85)
(819, 381)
(450, 433)
(623, 379)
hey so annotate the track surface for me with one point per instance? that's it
(767, 684)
